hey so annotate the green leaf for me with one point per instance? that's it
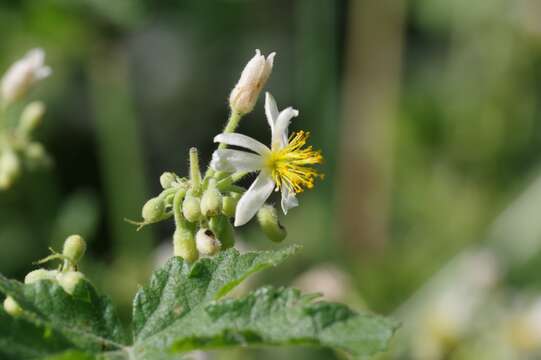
(180, 311)
(85, 319)
(177, 288)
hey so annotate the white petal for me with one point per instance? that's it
(280, 133)
(242, 141)
(271, 110)
(229, 160)
(253, 199)
(289, 200)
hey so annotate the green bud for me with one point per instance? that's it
(153, 210)
(191, 208)
(11, 307)
(31, 117)
(167, 179)
(229, 205)
(10, 168)
(268, 220)
(74, 248)
(184, 244)
(40, 274)
(211, 201)
(69, 280)
(222, 227)
(206, 242)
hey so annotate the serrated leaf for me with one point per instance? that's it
(272, 316)
(85, 319)
(177, 288)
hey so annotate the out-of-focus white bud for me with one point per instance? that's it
(167, 179)
(69, 280)
(40, 274)
(74, 248)
(10, 168)
(31, 117)
(206, 242)
(254, 76)
(11, 307)
(23, 74)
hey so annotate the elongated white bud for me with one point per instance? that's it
(31, 117)
(23, 74)
(211, 201)
(153, 210)
(206, 242)
(10, 168)
(252, 80)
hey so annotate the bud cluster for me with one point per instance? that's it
(67, 275)
(17, 148)
(203, 206)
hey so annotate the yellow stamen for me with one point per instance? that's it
(289, 166)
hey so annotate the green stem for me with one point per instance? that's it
(195, 173)
(177, 208)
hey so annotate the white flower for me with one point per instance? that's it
(254, 76)
(23, 74)
(285, 166)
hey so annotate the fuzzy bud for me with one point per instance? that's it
(153, 210)
(184, 244)
(252, 80)
(23, 74)
(167, 179)
(11, 307)
(74, 248)
(69, 280)
(211, 201)
(31, 117)
(40, 274)
(10, 168)
(206, 242)
(191, 208)
(223, 229)
(268, 220)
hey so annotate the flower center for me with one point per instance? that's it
(290, 166)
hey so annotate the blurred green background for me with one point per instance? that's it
(428, 113)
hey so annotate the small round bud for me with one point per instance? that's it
(184, 244)
(11, 307)
(74, 248)
(40, 274)
(153, 209)
(229, 205)
(35, 152)
(191, 208)
(31, 117)
(9, 163)
(223, 229)
(206, 242)
(268, 220)
(69, 280)
(167, 179)
(211, 202)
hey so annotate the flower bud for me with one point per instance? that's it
(251, 82)
(10, 168)
(268, 220)
(36, 154)
(223, 229)
(184, 244)
(211, 201)
(40, 274)
(206, 242)
(23, 74)
(11, 307)
(229, 205)
(74, 248)
(167, 179)
(31, 117)
(191, 208)
(69, 280)
(153, 210)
